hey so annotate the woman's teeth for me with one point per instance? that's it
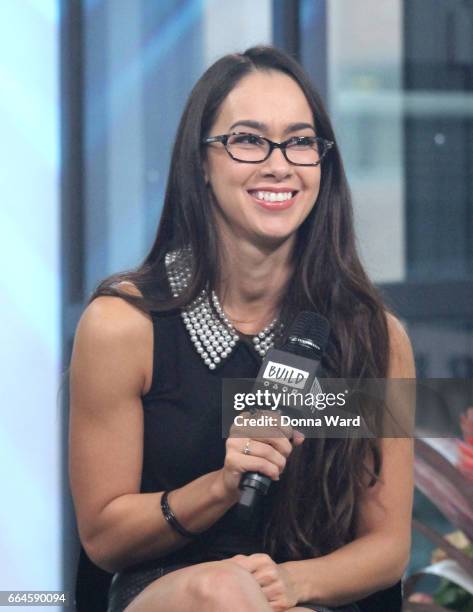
(271, 196)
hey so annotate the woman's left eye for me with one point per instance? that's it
(302, 141)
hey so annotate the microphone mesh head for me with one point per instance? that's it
(312, 326)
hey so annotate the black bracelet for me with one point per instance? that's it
(172, 520)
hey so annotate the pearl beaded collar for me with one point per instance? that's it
(212, 335)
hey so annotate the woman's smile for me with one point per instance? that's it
(274, 199)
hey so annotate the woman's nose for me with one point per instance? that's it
(276, 165)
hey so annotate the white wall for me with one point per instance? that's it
(30, 522)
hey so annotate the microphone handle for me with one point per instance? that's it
(254, 487)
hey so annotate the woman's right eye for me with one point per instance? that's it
(251, 139)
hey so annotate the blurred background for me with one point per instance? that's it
(90, 95)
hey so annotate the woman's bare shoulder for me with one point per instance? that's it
(115, 315)
(111, 325)
(401, 357)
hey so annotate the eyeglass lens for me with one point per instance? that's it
(249, 147)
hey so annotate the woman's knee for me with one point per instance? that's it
(224, 581)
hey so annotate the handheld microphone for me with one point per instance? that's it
(291, 368)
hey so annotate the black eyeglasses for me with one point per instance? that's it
(253, 149)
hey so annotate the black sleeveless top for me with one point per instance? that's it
(183, 440)
(183, 432)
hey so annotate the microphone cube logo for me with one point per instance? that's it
(285, 375)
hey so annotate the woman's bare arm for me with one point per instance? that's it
(111, 369)
(377, 558)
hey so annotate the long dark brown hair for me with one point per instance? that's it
(315, 510)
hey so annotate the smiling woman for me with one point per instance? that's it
(268, 104)
(256, 227)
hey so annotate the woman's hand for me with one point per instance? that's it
(273, 579)
(267, 451)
